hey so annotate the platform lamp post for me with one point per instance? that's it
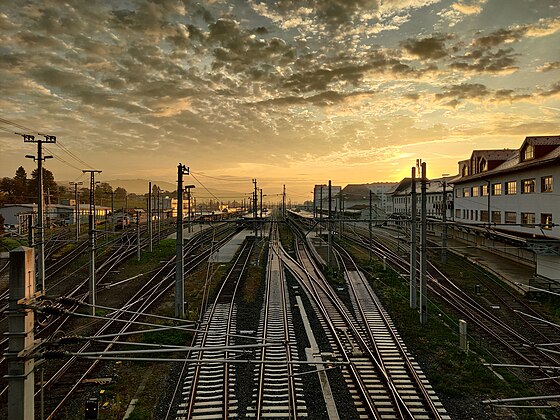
(444, 220)
(188, 191)
(180, 258)
(77, 208)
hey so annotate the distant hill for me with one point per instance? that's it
(140, 186)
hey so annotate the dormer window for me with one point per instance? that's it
(529, 152)
(465, 170)
(482, 165)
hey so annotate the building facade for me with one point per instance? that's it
(515, 191)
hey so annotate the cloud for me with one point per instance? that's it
(554, 65)
(433, 47)
(543, 27)
(464, 91)
(472, 7)
(454, 95)
(482, 60)
(552, 91)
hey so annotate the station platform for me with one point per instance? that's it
(225, 253)
(518, 275)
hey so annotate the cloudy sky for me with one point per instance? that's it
(294, 92)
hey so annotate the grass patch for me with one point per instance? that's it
(7, 244)
(171, 337)
(286, 237)
(251, 285)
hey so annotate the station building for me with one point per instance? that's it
(436, 190)
(512, 190)
(514, 193)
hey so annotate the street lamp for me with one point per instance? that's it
(444, 220)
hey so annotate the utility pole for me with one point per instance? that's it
(255, 207)
(180, 259)
(150, 217)
(370, 217)
(341, 214)
(284, 201)
(444, 227)
(40, 204)
(77, 209)
(91, 237)
(30, 238)
(21, 375)
(423, 253)
(260, 211)
(413, 243)
(329, 227)
(138, 253)
(188, 190)
(113, 210)
(321, 210)
(158, 216)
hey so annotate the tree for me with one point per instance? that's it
(8, 185)
(120, 193)
(103, 192)
(20, 183)
(49, 186)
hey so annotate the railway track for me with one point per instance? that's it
(63, 379)
(510, 328)
(77, 367)
(381, 388)
(208, 390)
(278, 392)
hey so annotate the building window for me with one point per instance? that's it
(529, 152)
(484, 190)
(465, 214)
(475, 191)
(511, 187)
(472, 215)
(458, 213)
(510, 217)
(497, 189)
(466, 192)
(476, 215)
(482, 165)
(528, 219)
(546, 220)
(496, 217)
(546, 184)
(457, 193)
(483, 215)
(528, 186)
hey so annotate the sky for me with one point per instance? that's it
(287, 92)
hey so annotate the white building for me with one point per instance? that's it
(516, 192)
(321, 198)
(401, 197)
(512, 190)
